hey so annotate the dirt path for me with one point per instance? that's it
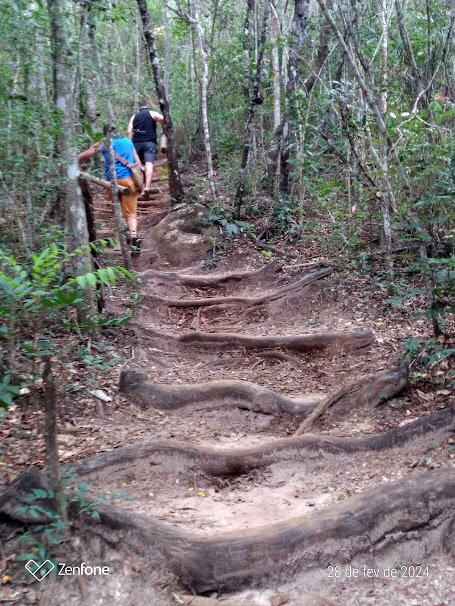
(227, 499)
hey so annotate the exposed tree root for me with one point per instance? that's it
(271, 248)
(205, 280)
(250, 301)
(417, 513)
(228, 462)
(241, 393)
(368, 523)
(309, 342)
(372, 389)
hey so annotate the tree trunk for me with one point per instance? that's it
(196, 24)
(416, 76)
(255, 100)
(280, 139)
(385, 193)
(274, 26)
(292, 116)
(50, 437)
(102, 78)
(167, 48)
(76, 233)
(175, 183)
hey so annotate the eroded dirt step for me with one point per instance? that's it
(412, 517)
(234, 489)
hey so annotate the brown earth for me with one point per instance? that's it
(270, 523)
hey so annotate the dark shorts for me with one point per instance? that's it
(146, 151)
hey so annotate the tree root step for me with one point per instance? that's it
(307, 342)
(415, 515)
(230, 462)
(369, 390)
(242, 394)
(205, 280)
(289, 289)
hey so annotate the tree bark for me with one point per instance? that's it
(167, 48)
(292, 116)
(275, 29)
(100, 71)
(76, 233)
(50, 437)
(385, 193)
(175, 183)
(255, 100)
(196, 24)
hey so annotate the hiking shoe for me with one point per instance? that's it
(144, 196)
(136, 247)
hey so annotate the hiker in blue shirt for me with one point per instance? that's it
(124, 149)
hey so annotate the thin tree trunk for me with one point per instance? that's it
(322, 54)
(138, 63)
(167, 47)
(246, 54)
(50, 438)
(298, 33)
(86, 76)
(416, 76)
(385, 193)
(280, 139)
(255, 100)
(370, 98)
(174, 173)
(196, 24)
(274, 26)
(101, 74)
(70, 195)
(452, 16)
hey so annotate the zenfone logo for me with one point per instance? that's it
(39, 571)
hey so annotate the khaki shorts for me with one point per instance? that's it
(128, 201)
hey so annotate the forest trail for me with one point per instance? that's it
(227, 494)
(150, 211)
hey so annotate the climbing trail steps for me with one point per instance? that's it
(231, 489)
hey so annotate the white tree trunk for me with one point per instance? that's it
(274, 26)
(76, 232)
(385, 194)
(196, 24)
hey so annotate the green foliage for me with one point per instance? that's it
(35, 298)
(428, 353)
(7, 391)
(51, 528)
(231, 226)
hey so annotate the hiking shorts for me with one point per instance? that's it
(146, 151)
(128, 201)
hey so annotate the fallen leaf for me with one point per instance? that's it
(100, 394)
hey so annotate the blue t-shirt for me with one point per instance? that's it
(124, 148)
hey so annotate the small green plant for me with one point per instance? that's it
(52, 527)
(231, 226)
(36, 297)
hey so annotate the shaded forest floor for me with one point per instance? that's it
(173, 490)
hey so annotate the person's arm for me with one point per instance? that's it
(88, 153)
(130, 128)
(157, 117)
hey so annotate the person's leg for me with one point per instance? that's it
(131, 221)
(148, 175)
(149, 159)
(129, 212)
